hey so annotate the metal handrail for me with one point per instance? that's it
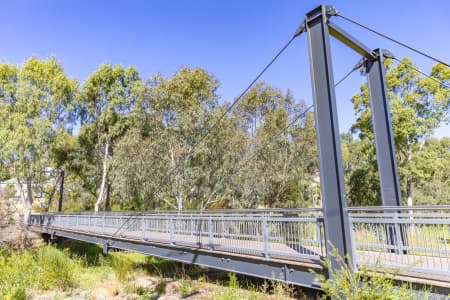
(397, 208)
(411, 238)
(199, 211)
(296, 236)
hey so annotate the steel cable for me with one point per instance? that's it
(394, 40)
(228, 110)
(424, 74)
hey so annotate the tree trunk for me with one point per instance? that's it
(28, 199)
(409, 194)
(409, 183)
(101, 194)
(52, 193)
(108, 201)
(180, 202)
(61, 192)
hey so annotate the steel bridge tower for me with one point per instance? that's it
(319, 27)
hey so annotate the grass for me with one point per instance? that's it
(45, 268)
(364, 284)
(57, 267)
(69, 267)
(73, 266)
(240, 287)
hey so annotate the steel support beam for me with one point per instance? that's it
(61, 192)
(336, 224)
(382, 128)
(350, 41)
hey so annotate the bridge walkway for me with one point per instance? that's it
(273, 244)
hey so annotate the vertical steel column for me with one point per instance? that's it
(384, 142)
(382, 128)
(332, 187)
(61, 192)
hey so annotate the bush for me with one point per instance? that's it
(121, 265)
(17, 272)
(346, 283)
(56, 269)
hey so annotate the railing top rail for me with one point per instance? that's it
(206, 211)
(398, 208)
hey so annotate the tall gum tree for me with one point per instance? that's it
(185, 104)
(275, 173)
(108, 98)
(418, 105)
(37, 105)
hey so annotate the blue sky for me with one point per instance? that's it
(231, 39)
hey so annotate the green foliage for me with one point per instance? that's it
(17, 271)
(140, 144)
(233, 281)
(107, 99)
(37, 106)
(122, 265)
(64, 266)
(418, 106)
(55, 268)
(239, 164)
(186, 287)
(364, 284)
(43, 268)
(232, 292)
(160, 288)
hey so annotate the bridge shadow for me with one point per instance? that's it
(301, 249)
(90, 253)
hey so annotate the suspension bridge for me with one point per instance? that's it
(412, 243)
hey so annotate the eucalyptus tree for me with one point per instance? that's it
(274, 169)
(432, 164)
(305, 183)
(37, 106)
(185, 105)
(108, 97)
(182, 147)
(418, 106)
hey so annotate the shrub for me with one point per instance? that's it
(364, 284)
(17, 272)
(186, 286)
(56, 269)
(121, 265)
(230, 293)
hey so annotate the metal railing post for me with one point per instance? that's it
(223, 227)
(265, 237)
(120, 226)
(353, 258)
(398, 235)
(319, 233)
(192, 226)
(143, 227)
(172, 229)
(103, 227)
(210, 232)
